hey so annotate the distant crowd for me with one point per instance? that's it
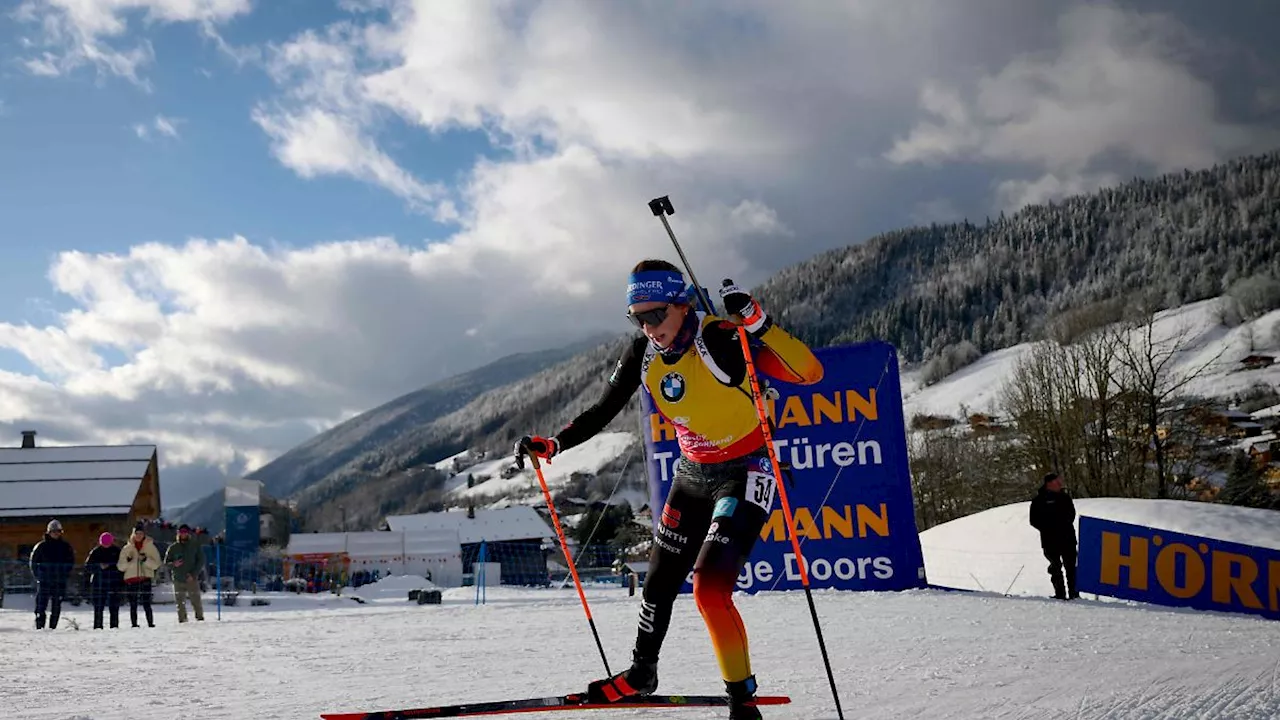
(115, 574)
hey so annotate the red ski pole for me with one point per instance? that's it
(573, 569)
(763, 414)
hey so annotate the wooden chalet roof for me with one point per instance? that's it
(67, 481)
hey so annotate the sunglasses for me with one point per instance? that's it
(649, 317)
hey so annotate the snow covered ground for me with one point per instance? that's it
(996, 550)
(918, 654)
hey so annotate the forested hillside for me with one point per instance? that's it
(1186, 236)
(942, 292)
(357, 444)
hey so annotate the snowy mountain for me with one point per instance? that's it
(943, 294)
(1179, 238)
(1212, 350)
(356, 445)
(928, 653)
(359, 445)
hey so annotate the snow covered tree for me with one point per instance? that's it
(1255, 295)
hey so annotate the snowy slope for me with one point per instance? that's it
(920, 654)
(997, 551)
(977, 387)
(587, 458)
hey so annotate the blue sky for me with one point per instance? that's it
(88, 182)
(229, 224)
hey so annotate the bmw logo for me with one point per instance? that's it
(673, 386)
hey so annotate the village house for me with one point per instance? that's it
(1260, 448)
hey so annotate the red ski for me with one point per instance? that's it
(549, 704)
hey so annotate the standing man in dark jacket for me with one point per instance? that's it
(51, 561)
(1054, 514)
(105, 579)
(187, 560)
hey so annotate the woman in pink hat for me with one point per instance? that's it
(104, 579)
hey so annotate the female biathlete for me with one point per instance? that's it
(691, 365)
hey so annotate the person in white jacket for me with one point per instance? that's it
(139, 561)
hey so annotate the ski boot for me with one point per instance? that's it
(740, 693)
(640, 679)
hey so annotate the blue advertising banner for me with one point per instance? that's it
(241, 501)
(845, 441)
(242, 530)
(1135, 562)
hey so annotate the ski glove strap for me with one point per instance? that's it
(738, 302)
(545, 448)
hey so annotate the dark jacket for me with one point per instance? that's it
(191, 556)
(100, 568)
(1054, 515)
(52, 560)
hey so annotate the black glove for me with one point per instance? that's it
(738, 302)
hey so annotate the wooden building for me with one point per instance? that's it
(88, 489)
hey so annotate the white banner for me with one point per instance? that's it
(242, 493)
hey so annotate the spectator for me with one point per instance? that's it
(1053, 513)
(51, 561)
(105, 579)
(139, 561)
(186, 558)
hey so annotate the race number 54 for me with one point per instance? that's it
(760, 490)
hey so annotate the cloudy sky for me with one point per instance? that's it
(227, 224)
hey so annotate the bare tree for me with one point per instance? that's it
(1148, 365)
(1113, 468)
(957, 472)
(1045, 399)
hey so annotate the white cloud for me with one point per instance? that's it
(1014, 194)
(1117, 84)
(317, 142)
(88, 32)
(166, 126)
(776, 128)
(231, 344)
(162, 125)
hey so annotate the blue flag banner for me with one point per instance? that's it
(1135, 562)
(844, 439)
(242, 530)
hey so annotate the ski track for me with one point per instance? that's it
(919, 654)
